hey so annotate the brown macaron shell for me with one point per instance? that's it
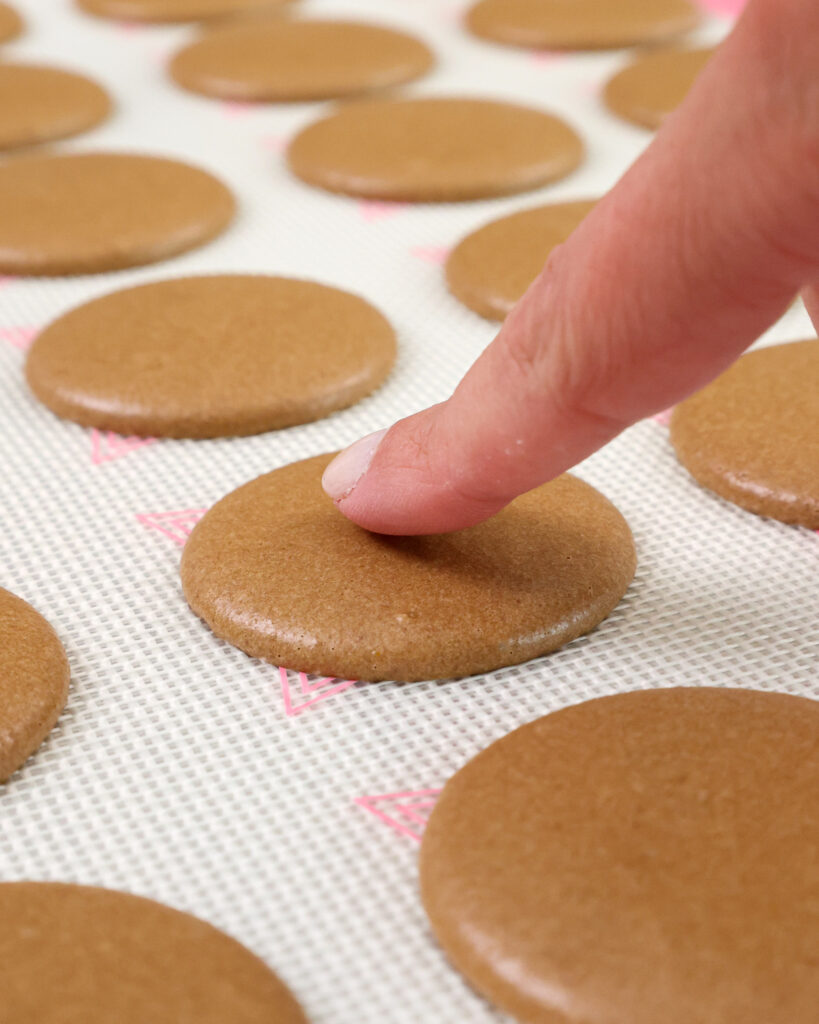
(211, 356)
(752, 435)
(84, 213)
(34, 677)
(434, 149)
(276, 570)
(11, 24)
(653, 86)
(284, 60)
(177, 11)
(641, 858)
(491, 268)
(43, 104)
(582, 24)
(72, 954)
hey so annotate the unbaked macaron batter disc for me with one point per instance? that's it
(276, 570)
(654, 85)
(287, 60)
(42, 104)
(491, 268)
(211, 356)
(34, 677)
(646, 858)
(84, 213)
(434, 149)
(752, 435)
(581, 24)
(71, 954)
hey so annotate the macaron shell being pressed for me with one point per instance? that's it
(276, 570)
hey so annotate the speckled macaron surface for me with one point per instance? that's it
(434, 149)
(34, 678)
(277, 571)
(43, 104)
(211, 356)
(649, 89)
(581, 24)
(11, 24)
(752, 435)
(641, 858)
(177, 10)
(288, 60)
(72, 954)
(492, 267)
(84, 213)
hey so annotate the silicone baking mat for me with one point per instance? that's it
(287, 810)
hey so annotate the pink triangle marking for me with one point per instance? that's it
(6, 280)
(317, 690)
(235, 109)
(663, 418)
(107, 446)
(436, 254)
(175, 525)
(729, 8)
(275, 143)
(413, 805)
(546, 56)
(19, 337)
(373, 210)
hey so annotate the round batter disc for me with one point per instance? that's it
(177, 10)
(277, 571)
(42, 104)
(650, 88)
(34, 678)
(83, 213)
(11, 24)
(211, 356)
(490, 269)
(643, 858)
(581, 24)
(434, 150)
(73, 953)
(284, 60)
(752, 435)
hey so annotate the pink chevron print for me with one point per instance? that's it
(106, 446)
(19, 337)
(235, 108)
(663, 418)
(308, 692)
(373, 210)
(175, 525)
(436, 254)
(406, 812)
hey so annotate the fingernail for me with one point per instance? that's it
(347, 468)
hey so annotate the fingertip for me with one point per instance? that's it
(348, 467)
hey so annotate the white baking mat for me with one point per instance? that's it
(183, 770)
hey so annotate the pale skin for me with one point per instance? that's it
(697, 250)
